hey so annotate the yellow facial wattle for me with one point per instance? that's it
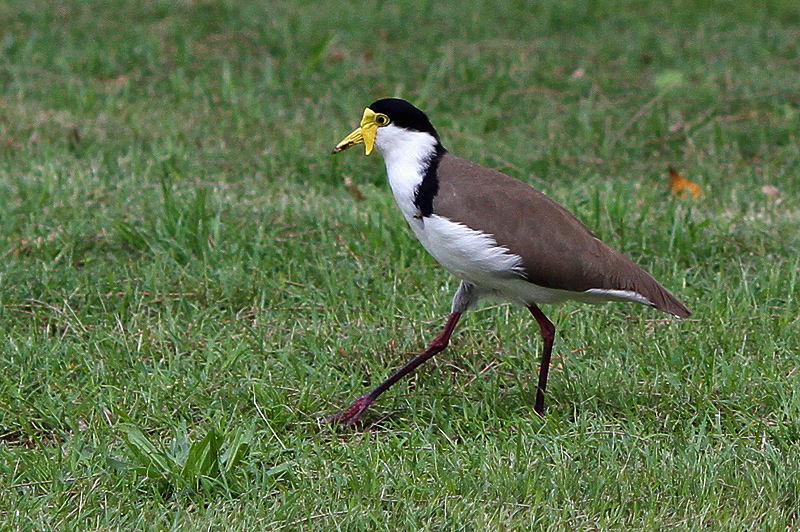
(363, 134)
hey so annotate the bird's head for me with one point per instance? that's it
(389, 124)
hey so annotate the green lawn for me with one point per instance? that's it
(188, 282)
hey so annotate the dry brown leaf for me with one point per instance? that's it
(681, 186)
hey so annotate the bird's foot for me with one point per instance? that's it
(351, 416)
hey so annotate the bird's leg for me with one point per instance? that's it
(350, 416)
(548, 335)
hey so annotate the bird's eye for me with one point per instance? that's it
(382, 120)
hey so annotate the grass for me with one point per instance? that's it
(187, 278)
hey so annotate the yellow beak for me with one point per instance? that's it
(364, 134)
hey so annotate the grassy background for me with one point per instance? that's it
(180, 255)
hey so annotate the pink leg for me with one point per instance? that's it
(548, 335)
(350, 416)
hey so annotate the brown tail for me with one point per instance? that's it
(647, 286)
(630, 276)
(669, 303)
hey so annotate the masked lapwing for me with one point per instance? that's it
(499, 236)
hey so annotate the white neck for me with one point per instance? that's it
(406, 154)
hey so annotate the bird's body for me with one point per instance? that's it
(498, 235)
(504, 255)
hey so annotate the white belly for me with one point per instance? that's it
(470, 255)
(475, 257)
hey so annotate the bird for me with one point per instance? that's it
(499, 236)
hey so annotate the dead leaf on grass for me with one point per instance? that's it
(681, 186)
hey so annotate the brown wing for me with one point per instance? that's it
(557, 250)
